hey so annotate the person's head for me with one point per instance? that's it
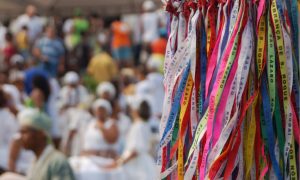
(8, 37)
(71, 79)
(50, 32)
(106, 90)
(102, 39)
(140, 108)
(24, 28)
(6, 23)
(41, 83)
(149, 6)
(31, 10)
(17, 61)
(17, 79)
(127, 76)
(34, 128)
(3, 99)
(38, 98)
(102, 109)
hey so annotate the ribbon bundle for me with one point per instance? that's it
(232, 105)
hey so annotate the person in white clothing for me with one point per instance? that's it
(136, 160)
(123, 122)
(8, 128)
(99, 146)
(77, 121)
(72, 94)
(34, 23)
(150, 22)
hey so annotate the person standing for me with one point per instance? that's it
(22, 42)
(32, 21)
(121, 45)
(50, 51)
(102, 67)
(150, 23)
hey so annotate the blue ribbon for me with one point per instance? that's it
(176, 103)
(269, 126)
(203, 62)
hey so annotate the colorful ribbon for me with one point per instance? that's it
(232, 104)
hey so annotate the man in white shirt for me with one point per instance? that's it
(29, 19)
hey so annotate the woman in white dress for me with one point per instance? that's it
(136, 160)
(99, 146)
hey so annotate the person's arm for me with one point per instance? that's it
(14, 152)
(126, 158)
(37, 52)
(110, 134)
(61, 65)
(67, 148)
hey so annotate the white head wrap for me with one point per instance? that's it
(17, 58)
(106, 87)
(35, 119)
(102, 103)
(71, 78)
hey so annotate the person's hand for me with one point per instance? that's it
(114, 165)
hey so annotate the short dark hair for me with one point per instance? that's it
(144, 111)
(42, 83)
(8, 36)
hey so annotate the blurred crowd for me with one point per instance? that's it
(81, 97)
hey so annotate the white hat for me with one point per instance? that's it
(71, 78)
(102, 103)
(106, 87)
(148, 5)
(17, 58)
